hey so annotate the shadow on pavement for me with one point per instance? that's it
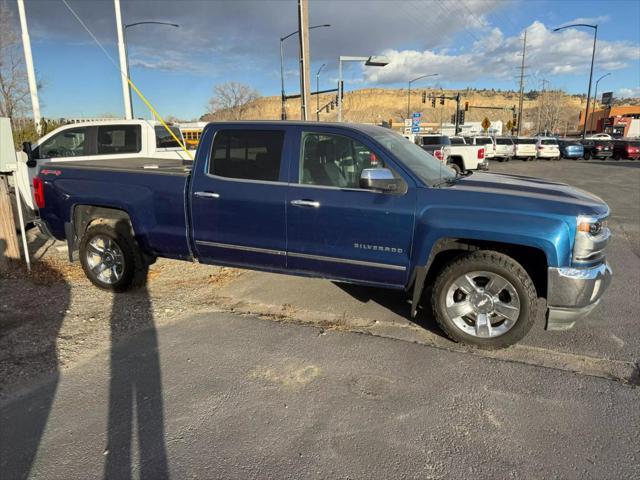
(615, 163)
(396, 301)
(135, 391)
(23, 422)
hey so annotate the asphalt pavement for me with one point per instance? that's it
(228, 396)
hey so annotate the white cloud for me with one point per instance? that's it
(588, 20)
(499, 57)
(633, 92)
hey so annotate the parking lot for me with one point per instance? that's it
(233, 355)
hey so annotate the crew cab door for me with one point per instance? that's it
(238, 197)
(337, 229)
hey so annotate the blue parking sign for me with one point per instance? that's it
(417, 115)
(415, 129)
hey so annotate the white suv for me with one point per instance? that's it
(505, 149)
(547, 147)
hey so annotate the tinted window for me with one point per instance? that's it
(504, 141)
(483, 141)
(526, 141)
(68, 143)
(549, 142)
(335, 160)
(435, 141)
(115, 139)
(247, 154)
(164, 139)
(457, 140)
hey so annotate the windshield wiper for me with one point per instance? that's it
(453, 180)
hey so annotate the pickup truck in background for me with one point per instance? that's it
(488, 143)
(352, 203)
(98, 140)
(465, 157)
(437, 145)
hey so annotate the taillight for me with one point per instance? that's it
(438, 155)
(540, 147)
(480, 153)
(599, 147)
(38, 191)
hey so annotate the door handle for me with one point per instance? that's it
(206, 194)
(305, 203)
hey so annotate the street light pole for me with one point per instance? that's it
(593, 56)
(317, 90)
(126, 51)
(368, 61)
(283, 101)
(409, 90)
(595, 93)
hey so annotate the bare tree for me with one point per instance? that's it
(13, 78)
(231, 101)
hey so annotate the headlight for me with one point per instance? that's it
(592, 236)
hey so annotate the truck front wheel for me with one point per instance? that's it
(485, 299)
(111, 258)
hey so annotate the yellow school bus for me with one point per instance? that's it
(191, 133)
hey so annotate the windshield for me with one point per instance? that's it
(435, 141)
(423, 164)
(165, 140)
(548, 142)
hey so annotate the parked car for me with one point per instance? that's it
(276, 196)
(547, 147)
(505, 149)
(466, 157)
(437, 145)
(626, 149)
(570, 148)
(488, 143)
(597, 148)
(525, 148)
(599, 136)
(99, 140)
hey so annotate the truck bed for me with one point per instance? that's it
(138, 165)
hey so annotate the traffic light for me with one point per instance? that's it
(442, 100)
(461, 117)
(341, 89)
(453, 118)
(424, 97)
(433, 102)
(466, 106)
(327, 108)
(332, 105)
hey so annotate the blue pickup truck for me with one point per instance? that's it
(351, 203)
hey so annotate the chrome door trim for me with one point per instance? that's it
(347, 261)
(206, 194)
(305, 203)
(240, 247)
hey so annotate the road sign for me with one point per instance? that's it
(486, 123)
(416, 115)
(415, 129)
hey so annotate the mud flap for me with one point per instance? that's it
(70, 235)
(418, 287)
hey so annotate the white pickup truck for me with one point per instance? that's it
(97, 140)
(465, 157)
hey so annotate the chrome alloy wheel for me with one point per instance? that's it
(483, 304)
(105, 259)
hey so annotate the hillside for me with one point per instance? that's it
(374, 105)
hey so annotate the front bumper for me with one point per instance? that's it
(573, 293)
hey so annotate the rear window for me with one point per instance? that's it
(247, 154)
(548, 142)
(115, 139)
(164, 139)
(483, 141)
(457, 140)
(504, 141)
(526, 141)
(436, 141)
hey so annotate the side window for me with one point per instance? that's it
(164, 139)
(334, 160)
(68, 143)
(115, 139)
(247, 154)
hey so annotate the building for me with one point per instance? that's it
(621, 121)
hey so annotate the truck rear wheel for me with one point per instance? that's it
(111, 258)
(485, 299)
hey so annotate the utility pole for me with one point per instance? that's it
(124, 67)
(522, 67)
(305, 67)
(540, 104)
(457, 113)
(28, 60)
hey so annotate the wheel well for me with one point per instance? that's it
(457, 159)
(85, 215)
(532, 259)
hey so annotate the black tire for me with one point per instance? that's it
(135, 267)
(455, 167)
(587, 155)
(494, 262)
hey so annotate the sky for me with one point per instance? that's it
(468, 43)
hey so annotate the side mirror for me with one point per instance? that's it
(31, 161)
(379, 179)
